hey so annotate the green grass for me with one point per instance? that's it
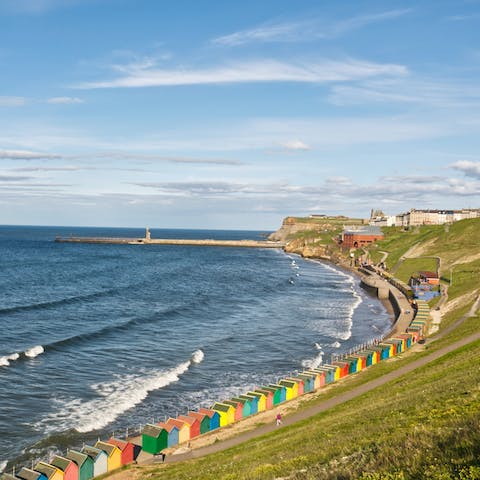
(414, 265)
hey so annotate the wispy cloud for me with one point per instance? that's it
(64, 100)
(305, 29)
(27, 155)
(469, 168)
(296, 145)
(6, 101)
(251, 72)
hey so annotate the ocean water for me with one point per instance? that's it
(97, 339)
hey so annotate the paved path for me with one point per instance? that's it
(327, 404)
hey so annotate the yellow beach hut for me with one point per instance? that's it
(262, 400)
(291, 387)
(226, 412)
(114, 455)
(336, 370)
(50, 471)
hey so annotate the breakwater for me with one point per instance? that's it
(172, 241)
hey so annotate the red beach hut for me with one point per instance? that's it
(127, 449)
(67, 466)
(238, 408)
(194, 424)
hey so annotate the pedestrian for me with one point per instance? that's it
(279, 419)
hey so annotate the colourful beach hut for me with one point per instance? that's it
(394, 345)
(67, 466)
(246, 405)
(50, 471)
(378, 352)
(261, 400)
(27, 474)
(389, 348)
(183, 429)
(276, 394)
(336, 370)
(253, 402)
(213, 416)
(343, 366)
(127, 449)
(329, 374)
(226, 412)
(99, 457)
(114, 455)
(291, 387)
(300, 384)
(369, 357)
(84, 464)
(172, 433)
(193, 423)
(237, 406)
(154, 438)
(281, 388)
(315, 379)
(204, 420)
(268, 397)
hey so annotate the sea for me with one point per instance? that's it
(101, 339)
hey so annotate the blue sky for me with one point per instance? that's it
(226, 114)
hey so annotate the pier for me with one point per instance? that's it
(147, 240)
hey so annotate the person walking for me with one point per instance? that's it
(279, 419)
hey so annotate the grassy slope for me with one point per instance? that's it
(421, 426)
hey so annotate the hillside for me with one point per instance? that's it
(421, 425)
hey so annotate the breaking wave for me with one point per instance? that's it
(34, 351)
(3, 464)
(5, 361)
(112, 399)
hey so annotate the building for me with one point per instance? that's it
(357, 237)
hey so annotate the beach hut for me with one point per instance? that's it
(126, 448)
(238, 407)
(300, 384)
(204, 420)
(194, 424)
(99, 457)
(183, 429)
(328, 372)
(172, 433)
(370, 357)
(281, 388)
(389, 348)
(291, 387)
(50, 471)
(394, 345)
(313, 378)
(246, 405)
(213, 416)
(378, 352)
(358, 360)
(67, 466)
(25, 474)
(253, 402)
(84, 464)
(336, 370)
(262, 400)
(268, 397)
(276, 394)
(343, 366)
(114, 455)
(226, 412)
(363, 359)
(154, 438)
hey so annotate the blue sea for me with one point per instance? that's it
(98, 339)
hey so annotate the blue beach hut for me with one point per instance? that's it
(253, 402)
(283, 391)
(27, 474)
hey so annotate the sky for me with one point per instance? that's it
(233, 115)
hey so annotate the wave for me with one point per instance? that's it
(317, 346)
(336, 345)
(112, 399)
(3, 464)
(313, 362)
(55, 303)
(5, 360)
(34, 351)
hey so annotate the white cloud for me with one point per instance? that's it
(26, 155)
(12, 101)
(469, 168)
(64, 100)
(304, 29)
(295, 145)
(324, 71)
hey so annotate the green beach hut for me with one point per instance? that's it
(247, 406)
(281, 389)
(84, 464)
(154, 439)
(204, 420)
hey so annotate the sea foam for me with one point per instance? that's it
(112, 399)
(5, 361)
(3, 464)
(34, 351)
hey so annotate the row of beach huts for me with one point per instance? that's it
(103, 457)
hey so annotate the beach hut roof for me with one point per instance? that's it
(92, 452)
(208, 411)
(288, 383)
(121, 444)
(152, 430)
(187, 419)
(167, 426)
(27, 474)
(106, 447)
(222, 407)
(198, 415)
(240, 400)
(45, 468)
(77, 457)
(60, 462)
(177, 423)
